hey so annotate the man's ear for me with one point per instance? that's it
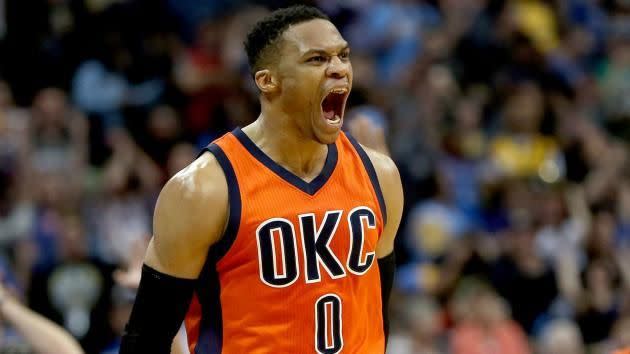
(266, 81)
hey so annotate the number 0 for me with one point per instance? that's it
(328, 324)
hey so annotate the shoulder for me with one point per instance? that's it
(194, 202)
(391, 187)
(384, 167)
(190, 216)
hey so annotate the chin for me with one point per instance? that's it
(327, 138)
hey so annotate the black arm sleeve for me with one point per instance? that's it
(160, 307)
(387, 267)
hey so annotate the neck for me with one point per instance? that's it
(278, 137)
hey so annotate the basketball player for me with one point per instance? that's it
(279, 238)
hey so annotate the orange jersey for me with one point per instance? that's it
(296, 270)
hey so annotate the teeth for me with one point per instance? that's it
(339, 90)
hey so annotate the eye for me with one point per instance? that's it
(344, 55)
(317, 59)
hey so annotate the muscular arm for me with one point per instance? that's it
(391, 187)
(189, 217)
(389, 180)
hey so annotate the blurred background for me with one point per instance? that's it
(509, 121)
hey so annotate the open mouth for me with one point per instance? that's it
(333, 105)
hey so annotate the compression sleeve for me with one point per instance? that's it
(387, 267)
(159, 309)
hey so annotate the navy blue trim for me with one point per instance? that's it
(369, 167)
(210, 340)
(307, 187)
(234, 197)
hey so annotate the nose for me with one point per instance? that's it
(338, 68)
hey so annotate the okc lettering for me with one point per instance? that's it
(317, 255)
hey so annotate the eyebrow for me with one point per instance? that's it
(324, 51)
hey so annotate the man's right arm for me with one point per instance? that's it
(190, 216)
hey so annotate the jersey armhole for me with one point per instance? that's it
(369, 168)
(219, 249)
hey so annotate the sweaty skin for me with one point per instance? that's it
(190, 215)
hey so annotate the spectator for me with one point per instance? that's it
(422, 328)
(17, 212)
(74, 290)
(122, 213)
(487, 327)
(520, 150)
(521, 270)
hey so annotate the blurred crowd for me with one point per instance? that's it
(509, 121)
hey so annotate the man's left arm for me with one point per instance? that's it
(391, 187)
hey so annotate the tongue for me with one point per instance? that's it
(329, 114)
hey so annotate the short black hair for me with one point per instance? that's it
(266, 32)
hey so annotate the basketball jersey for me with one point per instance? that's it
(296, 270)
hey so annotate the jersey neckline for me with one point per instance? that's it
(311, 187)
